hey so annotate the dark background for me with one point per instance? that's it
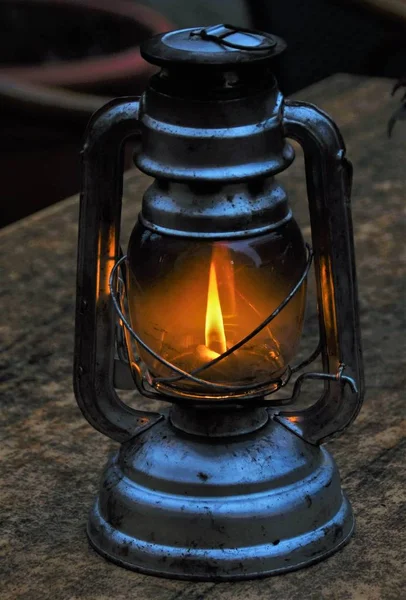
(42, 124)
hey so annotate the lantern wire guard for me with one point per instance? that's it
(218, 392)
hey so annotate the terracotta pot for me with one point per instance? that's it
(76, 43)
(59, 44)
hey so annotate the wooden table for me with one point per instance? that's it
(52, 459)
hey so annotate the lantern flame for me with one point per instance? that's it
(215, 337)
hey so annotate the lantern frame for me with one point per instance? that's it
(239, 489)
(328, 175)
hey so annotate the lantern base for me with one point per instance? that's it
(189, 507)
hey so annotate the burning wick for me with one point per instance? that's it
(215, 337)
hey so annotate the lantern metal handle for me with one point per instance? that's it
(99, 233)
(329, 178)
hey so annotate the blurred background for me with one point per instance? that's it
(62, 59)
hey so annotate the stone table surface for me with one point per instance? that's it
(51, 459)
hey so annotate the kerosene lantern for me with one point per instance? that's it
(205, 312)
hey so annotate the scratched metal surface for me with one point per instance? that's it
(51, 458)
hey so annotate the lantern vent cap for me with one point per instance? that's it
(222, 46)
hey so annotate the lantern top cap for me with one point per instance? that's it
(223, 46)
